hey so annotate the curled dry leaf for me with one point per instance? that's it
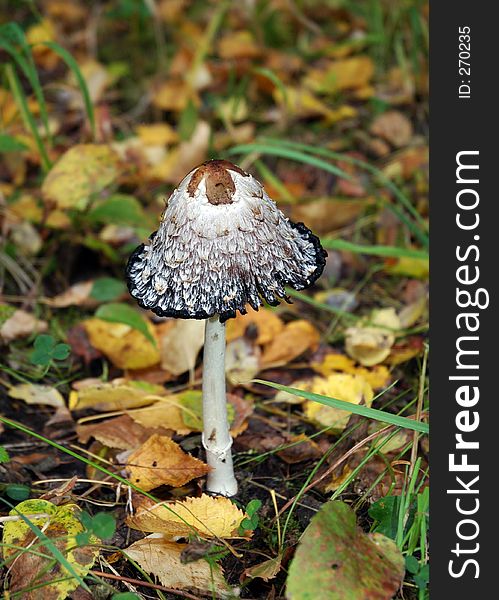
(369, 343)
(33, 393)
(349, 388)
(121, 432)
(118, 394)
(84, 170)
(266, 570)
(266, 322)
(160, 461)
(296, 338)
(162, 558)
(180, 343)
(206, 516)
(125, 347)
(18, 323)
(166, 411)
(242, 361)
(77, 295)
(300, 448)
(303, 104)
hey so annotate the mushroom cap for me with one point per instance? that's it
(222, 243)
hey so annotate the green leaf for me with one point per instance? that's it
(4, 455)
(103, 525)
(17, 491)
(119, 209)
(253, 507)
(61, 351)
(105, 289)
(44, 342)
(336, 560)
(116, 312)
(412, 564)
(8, 143)
(125, 596)
(363, 411)
(388, 251)
(188, 121)
(386, 512)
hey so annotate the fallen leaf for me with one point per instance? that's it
(82, 172)
(349, 388)
(162, 558)
(242, 361)
(30, 570)
(327, 214)
(34, 393)
(405, 349)
(160, 461)
(118, 394)
(418, 268)
(17, 323)
(237, 45)
(121, 432)
(303, 104)
(296, 338)
(300, 448)
(369, 342)
(157, 134)
(394, 127)
(206, 516)
(166, 412)
(77, 295)
(267, 323)
(339, 562)
(174, 95)
(378, 376)
(354, 72)
(127, 348)
(266, 570)
(180, 344)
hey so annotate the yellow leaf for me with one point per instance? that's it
(29, 570)
(349, 388)
(419, 268)
(119, 394)
(354, 72)
(369, 343)
(162, 558)
(83, 171)
(160, 461)
(267, 324)
(174, 95)
(291, 342)
(157, 134)
(125, 347)
(238, 44)
(378, 377)
(206, 516)
(166, 412)
(33, 393)
(302, 103)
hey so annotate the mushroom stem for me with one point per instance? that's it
(216, 435)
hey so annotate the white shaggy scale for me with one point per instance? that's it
(208, 259)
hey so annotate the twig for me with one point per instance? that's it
(153, 586)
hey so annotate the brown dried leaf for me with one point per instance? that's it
(118, 394)
(21, 324)
(296, 338)
(180, 344)
(267, 323)
(160, 461)
(394, 127)
(120, 432)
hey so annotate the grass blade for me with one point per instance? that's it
(28, 118)
(363, 411)
(293, 155)
(74, 67)
(388, 251)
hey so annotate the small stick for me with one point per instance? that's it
(154, 586)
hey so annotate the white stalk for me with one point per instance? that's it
(216, 435)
